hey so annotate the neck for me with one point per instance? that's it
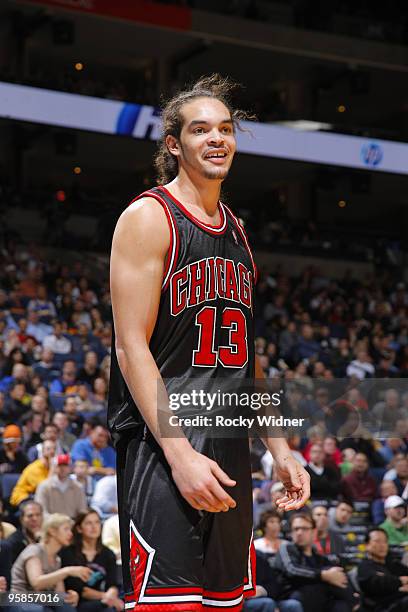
(52, 546)
(322, 533)
(30, 535)
(88, 543)
(307, 550)
(199, 191)
(271, 538)
(377, 559)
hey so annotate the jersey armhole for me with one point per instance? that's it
(244, 237)
(172, 253)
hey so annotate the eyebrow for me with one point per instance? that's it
(204, 122)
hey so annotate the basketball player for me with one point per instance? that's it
(182, 276)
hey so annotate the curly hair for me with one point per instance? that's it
(212, 86)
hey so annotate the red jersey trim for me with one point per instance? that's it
(169, 607)
(216, 230)
(250, 579)
(236, 608)
(172, 254)
(245, 239)
(174, 591)
(223, 595)
(177, 599)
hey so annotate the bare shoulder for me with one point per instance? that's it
(141, 221)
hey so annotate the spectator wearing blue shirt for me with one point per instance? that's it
(387, 488)
(46, 369)
(37, 328)
(96, 451)
(42, 306)
(307, 347)
(84, 341)
(391, 447)
(68, 382)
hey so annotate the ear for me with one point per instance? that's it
(173, 145)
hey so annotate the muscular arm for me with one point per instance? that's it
(291, 473)
(139, 248)
(140, 244)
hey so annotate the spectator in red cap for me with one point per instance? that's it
(12, 458)
(59, 493)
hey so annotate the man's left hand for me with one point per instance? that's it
(296, 482)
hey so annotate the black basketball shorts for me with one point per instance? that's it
(175, 558)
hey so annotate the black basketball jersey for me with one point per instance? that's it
(204, 327)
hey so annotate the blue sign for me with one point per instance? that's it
(127, 119)
(371, 154)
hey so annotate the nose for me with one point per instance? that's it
(215, 137)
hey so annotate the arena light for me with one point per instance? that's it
(305, 126)
(342, 203)
(341, 108)
(79, 66)
(60, 196)
(77, 169)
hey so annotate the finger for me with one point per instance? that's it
(221, 495)
(213, 501)
(290, 505)
(210, 502)
(304, 493)
(221, 475)
(193, 503)
(291, 501)
(289, 496)
(282, 501)
(204, 505)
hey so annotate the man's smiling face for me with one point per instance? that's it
(207, 141)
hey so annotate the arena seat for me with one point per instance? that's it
(7, 484)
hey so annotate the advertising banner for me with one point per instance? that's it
(141, 121)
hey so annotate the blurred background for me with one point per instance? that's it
(313, 67)
(321, 185)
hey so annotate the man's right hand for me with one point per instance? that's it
(335, 576)
(199, 479)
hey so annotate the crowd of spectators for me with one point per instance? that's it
(56, 460)
(337, 349)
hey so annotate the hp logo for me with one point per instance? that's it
(371, 154)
